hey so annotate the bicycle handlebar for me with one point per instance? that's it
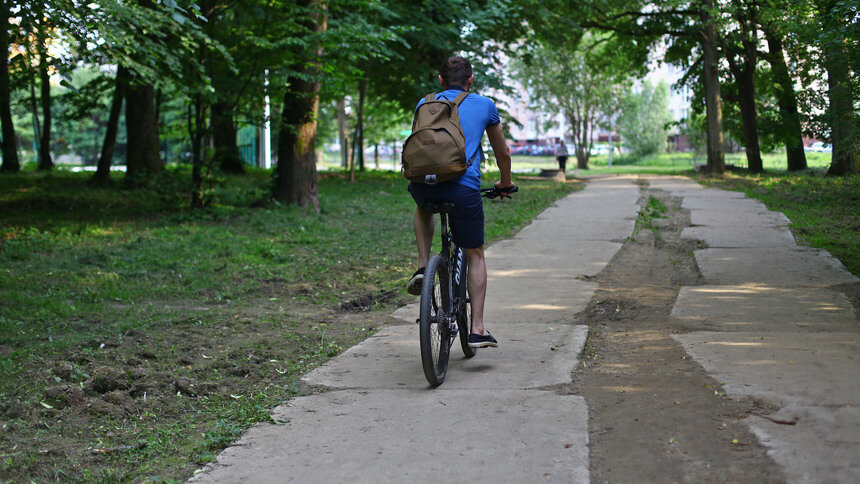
(497, 193)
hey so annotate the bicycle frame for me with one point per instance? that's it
(455, 259)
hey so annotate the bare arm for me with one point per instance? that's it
(503, 154)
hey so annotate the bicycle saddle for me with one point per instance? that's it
(438, 207)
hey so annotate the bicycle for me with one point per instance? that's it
(445, 309)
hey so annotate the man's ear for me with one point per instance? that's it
(470, 81)
(441, 82)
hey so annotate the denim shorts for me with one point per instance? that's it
(467, 219)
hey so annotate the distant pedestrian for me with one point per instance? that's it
(561, 155)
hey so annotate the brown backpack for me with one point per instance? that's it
(436, 149)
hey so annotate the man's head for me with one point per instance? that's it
(456, 71)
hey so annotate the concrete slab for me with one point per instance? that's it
(822, 446)
(739, 236)
(776, 267)
(672, 184)
(391, 359)
(548, 258)
(723, 217)
(729, 203)
(765, 308)
(790, 368)
(582, 227)
(414, 436)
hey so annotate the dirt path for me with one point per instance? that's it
(654, 414)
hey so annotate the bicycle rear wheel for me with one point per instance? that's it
(464, 313)
(434, 327)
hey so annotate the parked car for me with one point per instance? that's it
(819, 147)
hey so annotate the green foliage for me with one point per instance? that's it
(643, 123)
(584, 82)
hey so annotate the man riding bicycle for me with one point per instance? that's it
(477, 114)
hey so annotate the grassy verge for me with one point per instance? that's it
(664, 163)
(825, 211)
(138, 337)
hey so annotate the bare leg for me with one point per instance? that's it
(477, 287)
(423, 235)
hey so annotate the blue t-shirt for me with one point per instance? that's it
(476, 114)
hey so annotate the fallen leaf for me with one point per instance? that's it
(46, 405)
(672, 441)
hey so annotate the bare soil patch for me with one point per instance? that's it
(656, 415)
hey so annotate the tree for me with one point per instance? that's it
(740, 48)
(581, 83)
(102, 174)
(644, 119)
(296, 174)
(839, 45)
(689, 27)
(10, 142)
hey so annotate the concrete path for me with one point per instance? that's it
(494, 417)
(775, 330)
(769, 324)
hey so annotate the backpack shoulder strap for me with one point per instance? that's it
(460, 97)
(430, 97)
(455, 112)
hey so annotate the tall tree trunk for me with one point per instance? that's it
(792, 134)
(224, 138)
(342, 134)
(102, 174)
(141, 120)
(10, 142)
(841, 115)
(296, 179)
(45, 161)
(359, 124)
(196, 129)
(713, 101)
(745, 79)
(376, 155)
(744, 74)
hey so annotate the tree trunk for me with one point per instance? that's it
(713, 101)
(196, 129)
(744, 75)
(102, 174)
(141, 120)
(224, 138)
(359, 124)
(296, 179)
(792, 134)
(10, 142)
(841, 115)
(342, 134)
(45, 161)
(745, 79)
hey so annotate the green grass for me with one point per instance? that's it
(664, 163)
(240, 299)
(825, 211)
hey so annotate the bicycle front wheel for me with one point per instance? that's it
(434, 325)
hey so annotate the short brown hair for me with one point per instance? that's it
(455, 71)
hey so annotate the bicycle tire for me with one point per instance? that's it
(464, 313)
(434, 329)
